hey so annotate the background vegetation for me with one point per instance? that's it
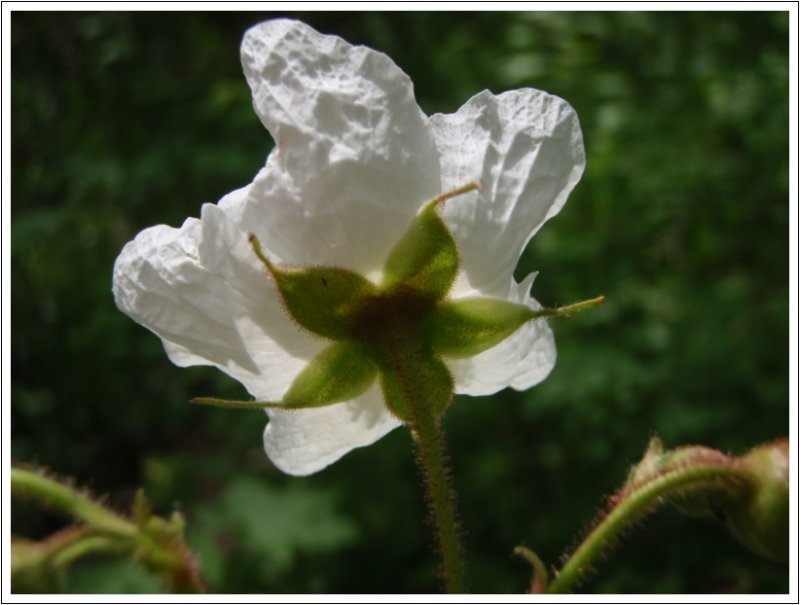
(125, 120)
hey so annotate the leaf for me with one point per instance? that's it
(267, 527)
(112, 577)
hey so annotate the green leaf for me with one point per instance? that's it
(425, 259)
(112, 577)
(271, 530)
(466, 327)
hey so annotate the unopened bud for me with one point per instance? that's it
(760, 517)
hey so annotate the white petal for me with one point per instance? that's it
(520, 361)
(354, 159)
(301, 442)
(204, 292)
(526, 150)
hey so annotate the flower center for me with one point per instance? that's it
(397, 330)
(388, 321)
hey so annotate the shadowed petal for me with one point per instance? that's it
(301, 442)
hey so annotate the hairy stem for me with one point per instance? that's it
(70, 553)
(539, 579)
(433, 462)
(156, 542)
(631, 507)
(70, 501)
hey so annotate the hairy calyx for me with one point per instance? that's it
(397, 331)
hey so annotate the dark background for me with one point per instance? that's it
(124, 120)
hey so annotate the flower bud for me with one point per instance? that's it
(760, 517)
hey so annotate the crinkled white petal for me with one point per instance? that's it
(204, 292)
(354, 159)
(520, 361)
(526, 149)
(301, 442)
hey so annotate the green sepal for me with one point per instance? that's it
(413, 381)
(323, 300)
(340, 372)
(426, 257)
(466, 327)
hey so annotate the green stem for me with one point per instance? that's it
(70, 501)
(156, 542)
(69, 553)
(433, 463)
(26, 554)
(539, 579)
(630, 508)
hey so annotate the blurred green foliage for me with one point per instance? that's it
(124, 120)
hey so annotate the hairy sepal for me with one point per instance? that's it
(323, 300)
(467, 327)
(419, 384)
(426, 257)
(339, 373)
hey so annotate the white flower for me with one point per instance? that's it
(355, 159)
